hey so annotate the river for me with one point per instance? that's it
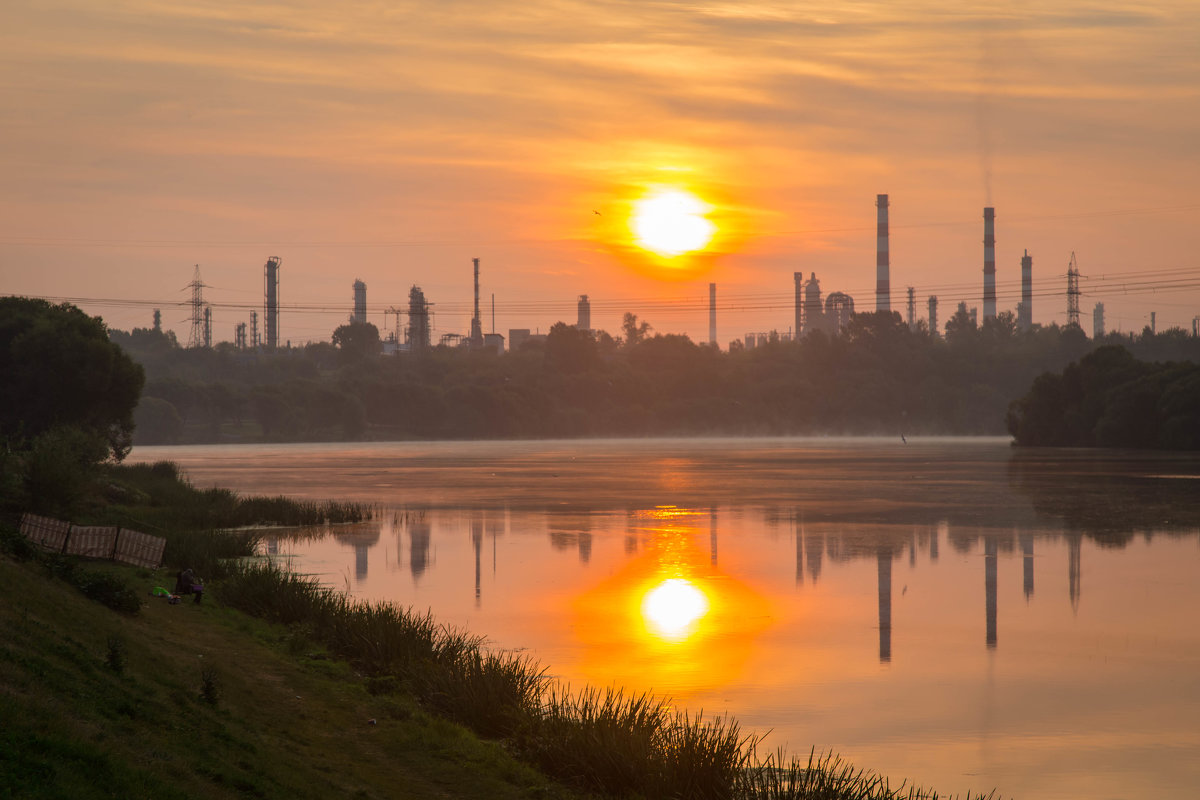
(952, 612)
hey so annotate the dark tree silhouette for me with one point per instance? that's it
(61, 370)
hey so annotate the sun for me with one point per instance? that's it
(671, 222)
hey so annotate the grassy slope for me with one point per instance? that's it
(288, 723)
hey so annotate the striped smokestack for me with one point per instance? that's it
(712, 314)
(1025, 318)
(989, 263)
(476, 325)
(883, 288)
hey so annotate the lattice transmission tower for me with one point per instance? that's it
(196, 336)
(1073, 291)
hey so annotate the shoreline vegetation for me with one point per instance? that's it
(600, 742)
(874, 377)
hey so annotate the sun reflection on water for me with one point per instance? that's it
(673, 608)
(669, 619)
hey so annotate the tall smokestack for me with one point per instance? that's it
(271, 302)
(799, 329)
(933, 328)
(883, 287)
(1025, 318)
(360, 303)
(476, 327)
(712, 314)
(989, 263)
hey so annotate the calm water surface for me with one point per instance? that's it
(952, 612)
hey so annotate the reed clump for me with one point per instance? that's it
(159, 497)
(600, 740)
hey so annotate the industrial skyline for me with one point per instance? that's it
(811, 309)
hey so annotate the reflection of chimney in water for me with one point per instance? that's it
(477, 545)
(799, 555)
(585, 546)
(272, 546)
(360, 560)
(814, 547)
(1073, 574)
(884, 559)
(418, 547)
(1027, 552)
(942, 527)
(989, 585)
(712, 536)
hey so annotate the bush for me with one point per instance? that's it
(59, 468)
(107, 588)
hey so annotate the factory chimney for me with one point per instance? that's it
(989, 263)
(712, 313)
(359, 317)
(883, 288)
(1025, 310)
(271, 302)
(799, 329)
(476, 327)
(933, 328)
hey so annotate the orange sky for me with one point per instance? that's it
(393, 142)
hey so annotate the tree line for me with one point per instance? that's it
(877, 376)
(1111, 399)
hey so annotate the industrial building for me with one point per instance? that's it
(584, 318)
(418, 320)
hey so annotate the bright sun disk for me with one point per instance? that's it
(673, 607)
(672, 222)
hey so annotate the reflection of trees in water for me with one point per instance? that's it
(1111, 499)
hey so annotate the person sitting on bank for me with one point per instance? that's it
(187, 583)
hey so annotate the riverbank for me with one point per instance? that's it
(208, 702)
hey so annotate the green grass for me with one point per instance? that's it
(205, 702)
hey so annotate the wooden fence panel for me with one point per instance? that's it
(46, 532)
(139, 549)
(93, 541)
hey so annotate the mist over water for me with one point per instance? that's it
(954, 612)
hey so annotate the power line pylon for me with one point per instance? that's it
(1073, 291)
(196, 337)
(395, 333)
